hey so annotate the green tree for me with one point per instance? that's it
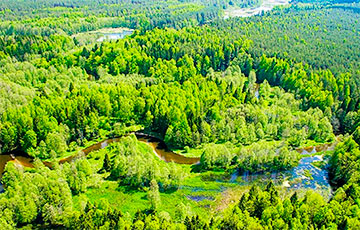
(107, 165)
(154, 195)
(56, 142)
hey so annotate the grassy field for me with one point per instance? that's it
(198, 193)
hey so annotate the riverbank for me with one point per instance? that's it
(187, 156)
(197, 193)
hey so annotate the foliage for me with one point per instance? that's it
(74, 16)
(245, 92)
(134, 164)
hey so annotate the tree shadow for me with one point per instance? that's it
(171, 190)
(128, 189)
(196, 168)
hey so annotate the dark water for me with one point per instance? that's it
(200, 198)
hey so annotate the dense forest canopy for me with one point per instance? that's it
(326, 38)
(73, 16)
(261, 97)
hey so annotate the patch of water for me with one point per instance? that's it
(266, 5)
(200, 189)
(114, 36)
(104, 144)
(304, 176)
(200, 198)
(248, 178)
(257, 94)
(313, 150)
(233, 177)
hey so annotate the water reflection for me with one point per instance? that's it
(114, 36)
(158, 146)
(304, 176)
(200, 198)
(18, 160)
(316, 149)
(266, 5)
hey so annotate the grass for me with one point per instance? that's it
(196, 152)
(319, 164)
(207, 184)
(78, 149)
(192, 152)
(210, 184)
(130, 201)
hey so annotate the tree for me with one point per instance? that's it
(356, 135)
(154, 195)
(29, 140)
(56, 142)
(107, 163)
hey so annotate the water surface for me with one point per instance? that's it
(114, 36)
(158, 146)
(266, 5)
(305, 175)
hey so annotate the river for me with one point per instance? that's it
(295, 178)
(158, 146)
(266, 5)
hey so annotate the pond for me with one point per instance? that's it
(114, 36)
(266, 5)
(199, 198)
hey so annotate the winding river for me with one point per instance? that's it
(158, 146)
(295, 178)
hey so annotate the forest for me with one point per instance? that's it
(189, 121)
